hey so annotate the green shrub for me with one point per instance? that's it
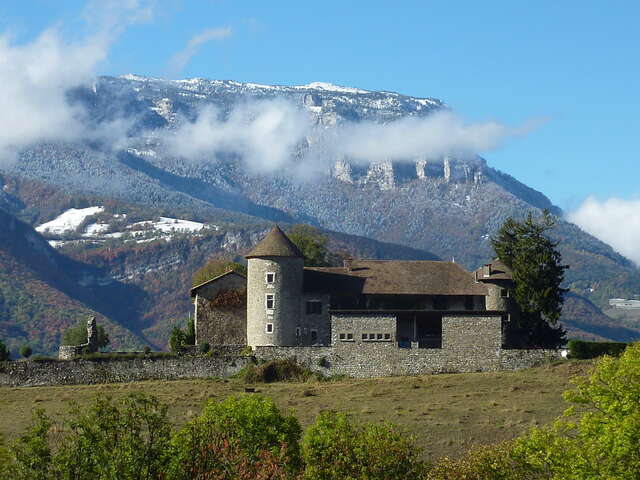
(204, 348)
(177, 340)
(126, 439)
(495, 462)
(253, 424)
(77, 335)
(190, 334)
(602, 437)
(323, 362)
(581, 349)
(5, 355)
(275, 371)
(334, 448)
(25, 351)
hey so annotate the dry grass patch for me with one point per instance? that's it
(446, 413)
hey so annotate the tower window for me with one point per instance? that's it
(270, 278)
(314, 307)
(268, 328)
(504, 292)
(270, 301)
(314, 336)
(297, 331)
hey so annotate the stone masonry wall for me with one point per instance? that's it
(73, 372)
(221, 325)
(521, 359)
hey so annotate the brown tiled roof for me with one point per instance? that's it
(275, 244)
(394, 277)
(496, 270)
(195, 289)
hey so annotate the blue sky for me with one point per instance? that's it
(572, 65)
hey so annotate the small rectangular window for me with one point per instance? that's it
(343, 336)
(314, 336)
(387, 336)
(504, 292)
(269, 328)
(270, 301)
(349, 336)
(297, 331)
(372, 336)
(379, 336)
(364, 336)
(314, 307)
(270, 277)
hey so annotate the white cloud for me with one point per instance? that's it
(614, 221)
(264, 133)
(181, 58)
(411, 137)
(37, 75)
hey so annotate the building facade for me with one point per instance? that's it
(364, 302)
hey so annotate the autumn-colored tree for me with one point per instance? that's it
(214, 268)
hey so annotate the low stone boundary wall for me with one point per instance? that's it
(371, 360)
(521, 359)
(74, 372)
(386, 359)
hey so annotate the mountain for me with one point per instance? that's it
(43, 292)
(448, 206)
(128, 265)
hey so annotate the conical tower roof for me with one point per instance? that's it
(275, 244)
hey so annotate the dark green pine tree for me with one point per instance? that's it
(538, 275)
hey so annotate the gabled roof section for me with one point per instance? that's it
(275, 244)
(195, 289)
(496, 270)
(393, 277)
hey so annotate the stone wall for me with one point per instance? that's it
(72, 372)
(221, 325)
(521, 359)
(69, 352)
(375, 359)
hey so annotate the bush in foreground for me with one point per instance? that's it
(251, 425)
(600, 438)
(337, 448)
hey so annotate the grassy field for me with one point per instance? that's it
(446, 413)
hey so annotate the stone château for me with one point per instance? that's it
(365, 318)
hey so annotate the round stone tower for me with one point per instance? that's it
(499, 281)
(274, 291)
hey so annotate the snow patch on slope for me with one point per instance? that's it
(68, 221)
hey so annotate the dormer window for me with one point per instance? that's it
(270, 278)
